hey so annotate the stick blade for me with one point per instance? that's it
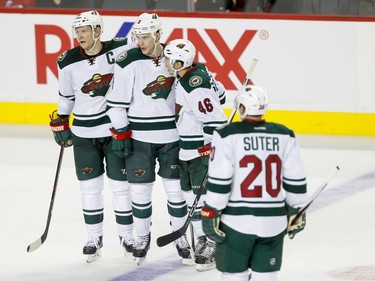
(35, 245)
(169, 238)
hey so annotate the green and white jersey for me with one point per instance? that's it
(83, 84)
(198, 109)
(143, 95)
(255, 168)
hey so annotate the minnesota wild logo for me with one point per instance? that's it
(98, 85)
(159, 88)
(86, 171)
(195, 81)
(62, 56)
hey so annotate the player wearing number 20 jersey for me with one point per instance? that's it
(255, 169)
(256, 183)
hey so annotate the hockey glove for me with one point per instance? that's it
(204, 151)
(121, 141)
(210, 222)
(60, 127)
(297, 226)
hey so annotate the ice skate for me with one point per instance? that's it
(200, 245)
(92, 248)
(184, 250)
(128, 243)
(141, 248)
(206, 260)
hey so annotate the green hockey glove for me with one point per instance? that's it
(210, 222)
(297, 226)
(60, 127)
(121, 141)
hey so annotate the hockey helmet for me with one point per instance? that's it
(91, 18)
(180, 50)
(147, 23)
(254, 99)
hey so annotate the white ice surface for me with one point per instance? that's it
(338, 242)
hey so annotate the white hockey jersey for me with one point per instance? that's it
(255, 169)
(143, 95)
(198, 109)
(83, 84)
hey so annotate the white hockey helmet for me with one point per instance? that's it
(180, 50)
(91, 18)
(254, 99)
(147, 23)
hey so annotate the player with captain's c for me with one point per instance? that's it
(85, 73)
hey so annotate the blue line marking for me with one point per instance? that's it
(151, 271)
(342, 191)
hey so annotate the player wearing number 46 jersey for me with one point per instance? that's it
(256, 185)
(198, 112)
(85, 74)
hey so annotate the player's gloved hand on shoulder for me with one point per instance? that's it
(299, 225)
(210, 222)
(121, 141)
(60, 127)
(204, 151)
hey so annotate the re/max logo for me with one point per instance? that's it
(231, 64)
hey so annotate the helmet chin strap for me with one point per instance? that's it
(95, 39)
(242, 116)
(241, 111)
(155, 45)
(95, 42)
(175, 71)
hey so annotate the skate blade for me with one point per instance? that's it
(94, 257)
(205, 267)
(127, 254)
(188, 262)
(139, 261)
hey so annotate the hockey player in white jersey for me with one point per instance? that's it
(85, 73)
(256, 185)
(198, 112)
(142, 110)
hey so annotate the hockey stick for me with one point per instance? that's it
(247, 79)
(192, 237)
(37, 243)
(170, 237)
(317, 192)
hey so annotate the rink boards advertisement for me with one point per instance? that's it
(317, 70)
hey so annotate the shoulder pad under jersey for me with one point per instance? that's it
(129, 56)
(196, 78)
